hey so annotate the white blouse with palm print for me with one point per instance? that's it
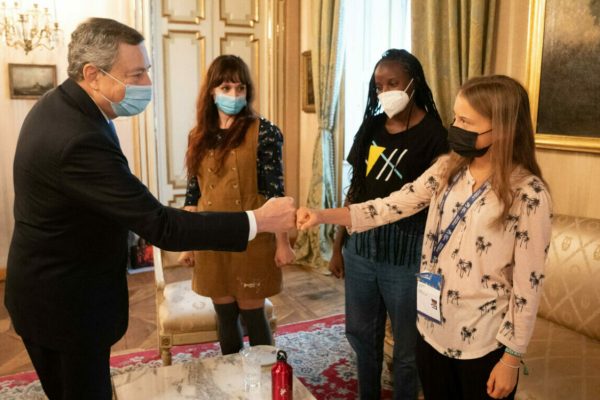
(492, 275)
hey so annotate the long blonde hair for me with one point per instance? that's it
(504, 101)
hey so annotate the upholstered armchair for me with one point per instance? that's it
(183, 316)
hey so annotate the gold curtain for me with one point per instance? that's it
(313, 248)
(453, 41)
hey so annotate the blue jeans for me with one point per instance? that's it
(372, 290)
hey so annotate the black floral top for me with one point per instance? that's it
(269, 165)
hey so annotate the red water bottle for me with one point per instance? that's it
(282, 378)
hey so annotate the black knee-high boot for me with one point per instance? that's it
(230, 330)
(259, 331)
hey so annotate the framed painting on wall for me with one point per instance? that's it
(30, 81)
(307, 85)
(564, 74)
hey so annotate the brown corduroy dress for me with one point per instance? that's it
(251, 274)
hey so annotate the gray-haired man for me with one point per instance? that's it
(75, 201)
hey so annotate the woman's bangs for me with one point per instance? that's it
(230, 75)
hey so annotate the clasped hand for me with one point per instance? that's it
(280, 215)
(307, 218)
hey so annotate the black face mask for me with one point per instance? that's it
(463, 142)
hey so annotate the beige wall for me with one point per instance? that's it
(510, 47)
(289, 89)
(308, 121)
(572, 176)
(14, 111)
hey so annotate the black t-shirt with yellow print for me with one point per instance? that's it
(392, 160)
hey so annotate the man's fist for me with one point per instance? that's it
(276, 215)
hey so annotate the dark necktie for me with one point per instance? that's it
(113, 133)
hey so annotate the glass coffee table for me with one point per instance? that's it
(213, 378)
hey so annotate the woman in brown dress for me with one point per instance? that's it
(234, 162)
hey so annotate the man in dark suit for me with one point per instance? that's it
(76, 200)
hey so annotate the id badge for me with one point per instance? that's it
(429, 296)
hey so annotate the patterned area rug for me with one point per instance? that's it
(318, 351)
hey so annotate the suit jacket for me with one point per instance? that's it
(75, 201)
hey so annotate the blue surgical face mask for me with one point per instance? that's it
(135, 101)
(230, 105)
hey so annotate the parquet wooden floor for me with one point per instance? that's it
(307, 295)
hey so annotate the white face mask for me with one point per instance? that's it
(394, 101)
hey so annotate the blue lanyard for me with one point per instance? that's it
(447, 233)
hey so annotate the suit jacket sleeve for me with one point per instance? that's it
(95, 173)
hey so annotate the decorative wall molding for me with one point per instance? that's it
(171, 110)
(194, 14)
(246, 28)
(177, 201)
(232, 13)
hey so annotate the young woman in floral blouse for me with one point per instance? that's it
(486, 239)
(234, 161)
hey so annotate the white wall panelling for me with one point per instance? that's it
(183, 11)
(184, 58)
(188, 36)
(239, 13)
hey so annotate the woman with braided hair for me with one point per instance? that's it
(400, 137)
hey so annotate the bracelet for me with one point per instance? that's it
(512, 352)
(508, 365)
